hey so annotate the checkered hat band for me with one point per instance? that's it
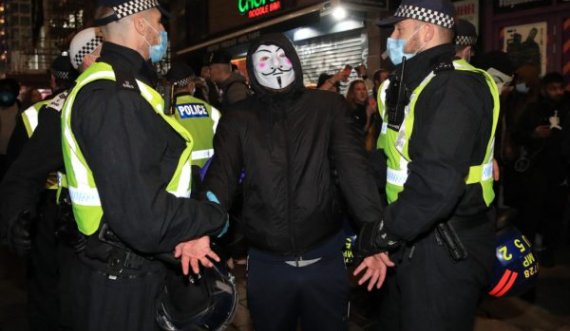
(133, 7)
(183, 82)
(86, 50)
(426, 15)
(465, 40)
(64, 75)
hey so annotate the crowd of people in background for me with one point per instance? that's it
(531, 156)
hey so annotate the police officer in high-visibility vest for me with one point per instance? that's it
(195, 115)
(128, 168)
(439, 119)
(51, 257)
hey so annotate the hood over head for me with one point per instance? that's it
(282, 43)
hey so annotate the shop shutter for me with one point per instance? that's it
(330, 53)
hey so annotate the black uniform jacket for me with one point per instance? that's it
(452, 126)
(25, 180)
(287, 143)
(133, 153)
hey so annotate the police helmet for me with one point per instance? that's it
(516, 268)
(206, 303)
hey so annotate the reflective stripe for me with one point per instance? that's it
(61, 179)
(31, 115)
(396, 177)
(85, 196)
(216, 115)
(480, 173)
(384, 128)
(203, 154)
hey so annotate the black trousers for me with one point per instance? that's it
(280, 295)
(49, 264)
(101, 303)
(432, 292)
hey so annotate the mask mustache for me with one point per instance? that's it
(274, 72)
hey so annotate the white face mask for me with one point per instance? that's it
(272, 68)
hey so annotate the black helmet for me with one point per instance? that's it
(516, 269)
(207, 303)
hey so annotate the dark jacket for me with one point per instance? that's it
(452, 126)
(21, 187)
(234, 89)
(133, 153)
(546, 155)
(287, 142)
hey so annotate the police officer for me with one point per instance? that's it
(197, 116)
(439, 119)
(465, 39)
(128, 171)
(232, 85)
(50, 258)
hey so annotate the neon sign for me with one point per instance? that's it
(256, 8)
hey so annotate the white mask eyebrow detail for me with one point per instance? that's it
(272, 68)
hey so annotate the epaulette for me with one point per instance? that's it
(126, 80)
(56, 103)
(443, 66)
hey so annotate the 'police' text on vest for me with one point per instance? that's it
(191, 110)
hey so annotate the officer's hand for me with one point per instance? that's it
(373, 238)
(376, 267)
(20, 233)
(194, 251)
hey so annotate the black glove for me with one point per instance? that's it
(373, 239)
(20, 233)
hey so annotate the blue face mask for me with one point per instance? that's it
(522, 88)
(158, 51)
(396, 50)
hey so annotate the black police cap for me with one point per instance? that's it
(465, 33)
(124, 8)
(438, 12)
(220, 57)
(62, 68)
(180, 73)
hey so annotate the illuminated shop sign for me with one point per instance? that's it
(256, 8)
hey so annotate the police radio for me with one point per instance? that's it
(166, 90)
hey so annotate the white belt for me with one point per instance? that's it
(303, 263)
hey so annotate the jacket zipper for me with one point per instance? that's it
(288, 181)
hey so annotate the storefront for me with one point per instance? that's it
(325, 39)
(530, 31)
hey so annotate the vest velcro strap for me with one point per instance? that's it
(480, 173)
(396, 177)
(85, 196)
(203, 154)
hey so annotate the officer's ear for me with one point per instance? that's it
(139, 23)
(429, 32)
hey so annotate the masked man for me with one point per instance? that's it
(288, 138)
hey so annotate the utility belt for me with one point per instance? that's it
(329, 248)
(106, 253)
(446, 233)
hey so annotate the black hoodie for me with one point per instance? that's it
(288, 141)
